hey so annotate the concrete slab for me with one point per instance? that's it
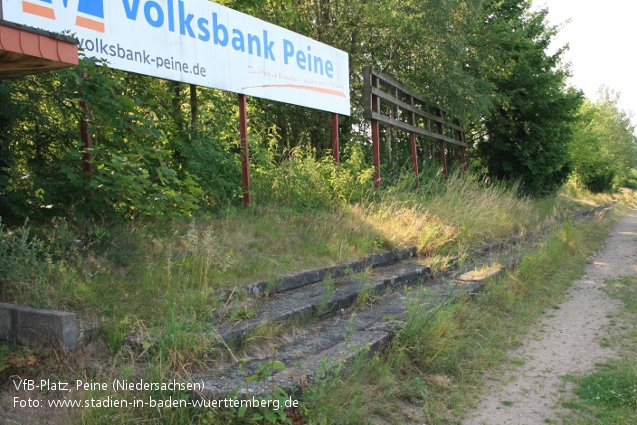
(40, 327)
(300, 279)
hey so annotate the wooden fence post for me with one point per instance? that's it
(86, 138)
(84, 133)
(463, 159)
(412, 139)
(410, 107)
(443, 156)
(376, 135)
(462, 150)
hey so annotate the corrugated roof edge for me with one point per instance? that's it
(57, 36)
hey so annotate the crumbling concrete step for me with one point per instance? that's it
(323, 298)
(297, 280)
(346, 335)
(336, 340)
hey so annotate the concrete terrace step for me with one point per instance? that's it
(323, 298)
(336, 340)
(340, 337)
(297, 280)
(363, 331)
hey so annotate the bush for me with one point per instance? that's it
(631, 180)
(135, 173)
(597, 178)
(25, 264)
(603, 150)
(301, 181)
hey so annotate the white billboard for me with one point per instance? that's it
(198, 42)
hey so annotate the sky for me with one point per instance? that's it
(601, 36)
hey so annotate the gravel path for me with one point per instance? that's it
(566, 341)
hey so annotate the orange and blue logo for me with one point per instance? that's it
(90, 13)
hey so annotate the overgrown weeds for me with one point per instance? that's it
(159, 279)
(438, 358)
(127, 272)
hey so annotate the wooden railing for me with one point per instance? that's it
(405, 110)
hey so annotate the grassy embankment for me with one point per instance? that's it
(159, 276)
(127, 273)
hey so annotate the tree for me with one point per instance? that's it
(421, 43)
(159, 152)
(528, 129)
(135, 173)
(604, 146)
(8, 114)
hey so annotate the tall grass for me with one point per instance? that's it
(308, 213)
(459, 212)
(437, 361)
(159, 278)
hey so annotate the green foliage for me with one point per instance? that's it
(631, 179)
(134, 174)
(26, 265)
(604, 146)
(302, 181)
(271, 407)
(242, 313)
(527, 131)
(483, 60)
(210, 152)
(427, 333)
(20, 255)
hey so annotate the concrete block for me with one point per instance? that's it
(34, 326)
(5, 323)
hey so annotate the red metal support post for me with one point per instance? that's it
(412, 140)
(462, 152)
(245, 158)
(336, 149)
(87, 139)
(443, 157)
(85, 135)
(376, 152)
(463, 159)
(414, 152)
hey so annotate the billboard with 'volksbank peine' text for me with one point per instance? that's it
(198, 42)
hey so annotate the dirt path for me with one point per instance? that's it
(566, 341)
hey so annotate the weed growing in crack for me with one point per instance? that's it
(368, 294)
(329, 289)
(350, 329)
(242, 313)
(271, 286)
(270, 407)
